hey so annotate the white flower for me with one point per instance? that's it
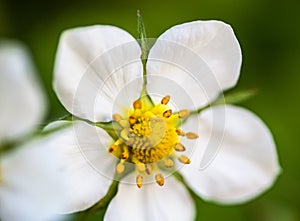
(28, 175)
(99, 77)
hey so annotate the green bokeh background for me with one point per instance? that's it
(269, 34)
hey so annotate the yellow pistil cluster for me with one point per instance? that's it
(148, 137)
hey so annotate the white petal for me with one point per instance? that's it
(97, 71)
(236, 159)
(202, 58)
(171, 202)
(31, 187)
(87, 167)
(21, 98)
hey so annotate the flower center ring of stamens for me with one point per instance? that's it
(147, 136)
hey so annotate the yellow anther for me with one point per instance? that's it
(139, 181)
(180, 132)
(179, 147)
(165, 100)
(113, 148)
(191, 135)
(125, 154)
(160, 180)
(137, 104)
(183, 113)
(132, 120)
(141, 167)
(184, 159)
(149, 169)
(169, 163)
(120, 168)
(117, 117)
(167, 113)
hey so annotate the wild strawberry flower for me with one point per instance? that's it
(28, 174)
(145, 119)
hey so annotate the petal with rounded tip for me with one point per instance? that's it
(170, 202)
(235, 159)
(201, 58)
(98, 71)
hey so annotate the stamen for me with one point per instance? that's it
(169, 163)
(183, 113)
(112, 148)
(165, 100)
(191, 135)
(180, 132)
(125, 154)
(132, 120)
(139, 181)
(149, 169)
(184, 159)
(117, 117)
(120, 168)
(167, 113)
(179, 147)
(160, 180)
(141, 167)
(137, 104)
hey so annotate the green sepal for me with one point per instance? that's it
(110, 127)
(235, 97)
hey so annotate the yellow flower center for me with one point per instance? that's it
(148, 137)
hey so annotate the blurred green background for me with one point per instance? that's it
(269, 33)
